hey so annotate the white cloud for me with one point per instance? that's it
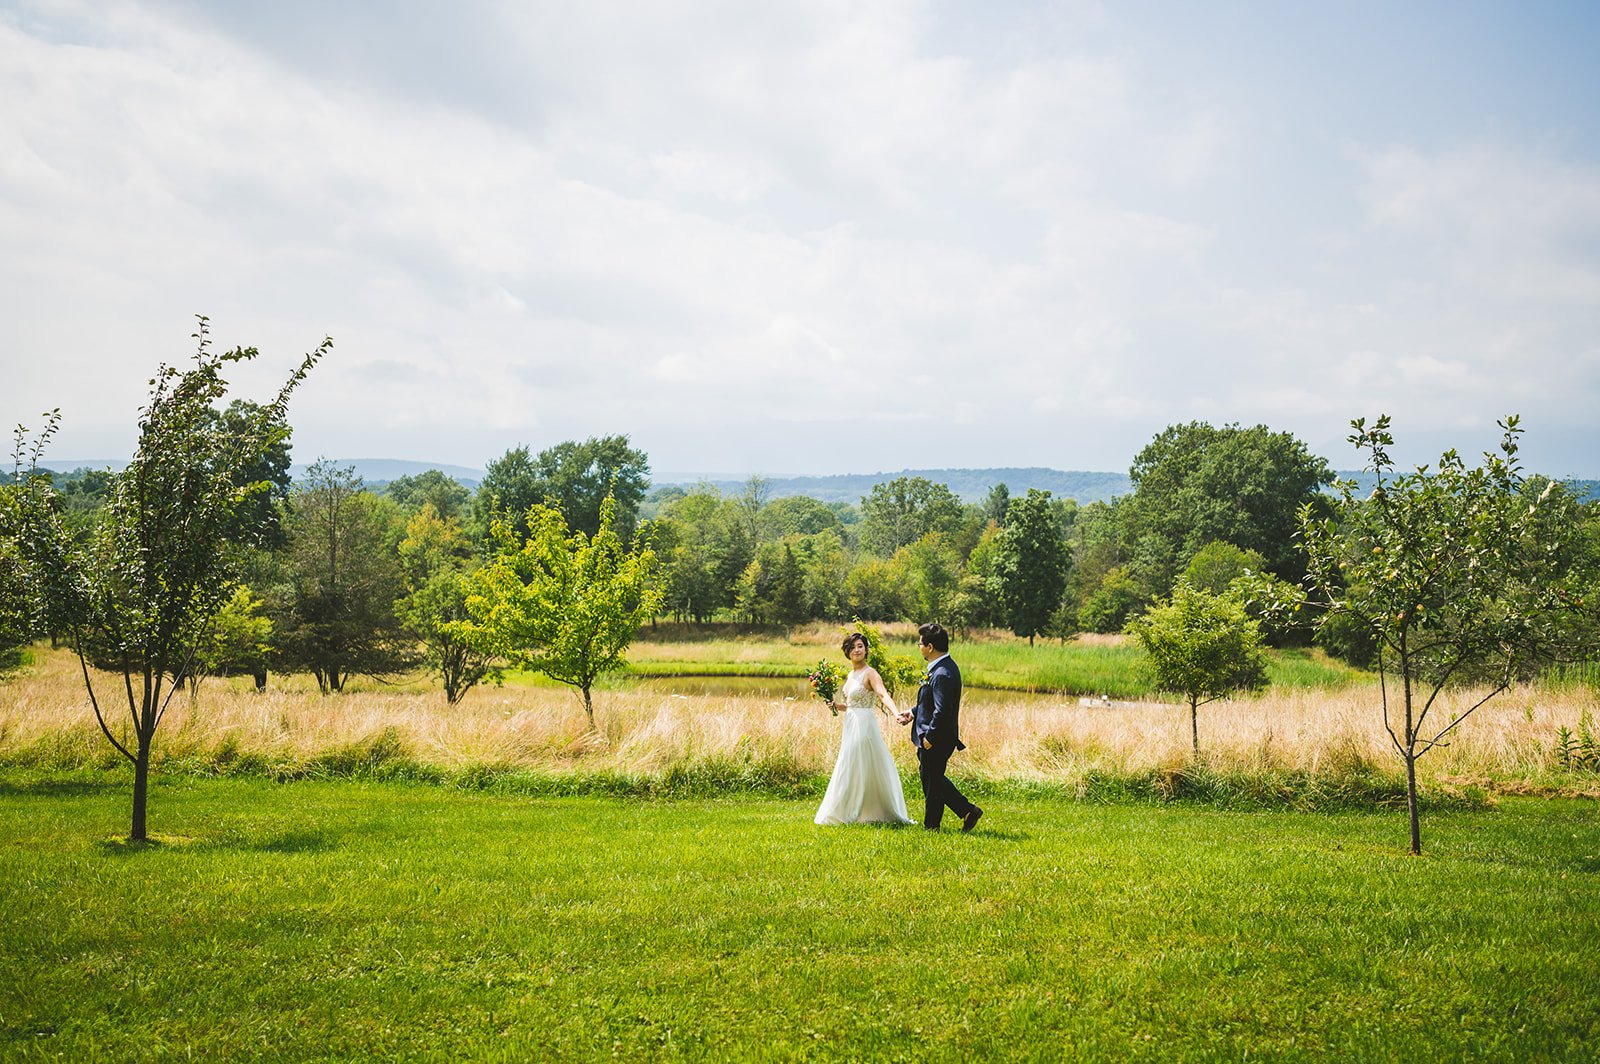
(701, 222)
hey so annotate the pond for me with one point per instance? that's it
(779, 688)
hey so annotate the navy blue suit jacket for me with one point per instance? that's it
(938, 716)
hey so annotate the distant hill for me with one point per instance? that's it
(971, 485)
(377, 472)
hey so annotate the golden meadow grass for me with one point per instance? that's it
(45, 720)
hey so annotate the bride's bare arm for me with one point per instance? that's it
(876, 683)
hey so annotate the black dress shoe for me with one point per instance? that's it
(970, 821)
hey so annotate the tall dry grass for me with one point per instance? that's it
(1331, 736)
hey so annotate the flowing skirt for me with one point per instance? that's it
(865, 787)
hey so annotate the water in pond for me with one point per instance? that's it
(779, 688)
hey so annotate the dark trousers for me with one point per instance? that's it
(937, 790)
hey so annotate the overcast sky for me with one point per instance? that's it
(811, 237)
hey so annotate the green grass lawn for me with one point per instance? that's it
(318, 920)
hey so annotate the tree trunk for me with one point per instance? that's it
(1411, 803)
(261, 680)
(1410, 755)
(141, 790)
(588, 706)
(1194, 725)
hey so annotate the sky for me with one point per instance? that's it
(810, 237)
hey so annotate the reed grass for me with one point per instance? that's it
(1305, 745)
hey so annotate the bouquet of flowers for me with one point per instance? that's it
(825, 680)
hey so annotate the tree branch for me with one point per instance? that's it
(88, 684)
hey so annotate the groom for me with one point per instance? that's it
(937, 731)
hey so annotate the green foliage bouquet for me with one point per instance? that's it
(825, 680)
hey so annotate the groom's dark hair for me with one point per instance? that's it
(935, 636)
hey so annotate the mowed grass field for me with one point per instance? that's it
(348, 920)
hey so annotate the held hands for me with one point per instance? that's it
(903, 717)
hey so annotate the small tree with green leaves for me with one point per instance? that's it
(163, 557)
(1453, 574)
(1202, 646)
(437, 556)
(238, 641)
(561, 602)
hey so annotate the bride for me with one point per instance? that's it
(865, 787)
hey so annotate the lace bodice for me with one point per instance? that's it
(857, 695)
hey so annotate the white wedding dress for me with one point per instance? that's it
(865, 788)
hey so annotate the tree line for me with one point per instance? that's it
(204, 557)
(340, 579)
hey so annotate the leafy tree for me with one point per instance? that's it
(449, 498)
(1453, 573)
(749, 592)
(509, 489)
(267, 479)
(977, 599)
(873, 591)
(1202, 646)
(996, 504)
(160, 564)
(773, 587)
(1195, 483)
(1112, 603)
(1031, 563)
(751, 501)
(18, 614)
(562, 602)
(436, 557)
(905, 509)
(928, 572)
(686, 540)
(80, 496)
(788, 594)
(1217, 565)
(1220, 567)
(825, 567)
(344, 576)
(1095, 545)
(238, 641)
(579, 478)
(1064, 622)
(797, 515)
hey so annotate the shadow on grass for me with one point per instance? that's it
(286, 842)
(59, 788)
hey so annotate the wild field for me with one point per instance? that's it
(1289, 743)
